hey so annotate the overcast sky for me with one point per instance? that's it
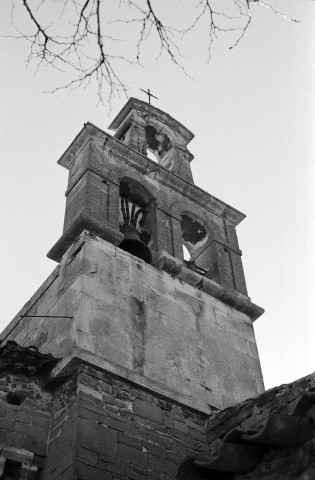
(252, 112)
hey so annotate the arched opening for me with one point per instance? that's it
(151, 156)
(194, 238)
(11, 470)
(159, 146)
(186, 253)
(134, 219)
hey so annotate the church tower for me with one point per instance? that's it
(147, 341)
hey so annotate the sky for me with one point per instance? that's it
(252, 110)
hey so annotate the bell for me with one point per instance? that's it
(132, 243)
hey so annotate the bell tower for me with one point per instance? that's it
(165, 339)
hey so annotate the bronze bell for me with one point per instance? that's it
(132, 243)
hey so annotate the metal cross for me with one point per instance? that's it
(149, 94)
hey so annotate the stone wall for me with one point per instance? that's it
(269, 437)
(97, 164)
(145, 325)
(24, 427)
(106, 428)
(60, 460)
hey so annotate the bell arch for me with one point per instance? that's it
(136, 218)
(159, 144)
(195, 235)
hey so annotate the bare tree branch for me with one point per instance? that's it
(80, 39)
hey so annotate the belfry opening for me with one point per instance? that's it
(131, 219)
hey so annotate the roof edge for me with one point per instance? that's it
(135, 103)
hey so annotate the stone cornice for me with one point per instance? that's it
(136, 104)
(147, 167)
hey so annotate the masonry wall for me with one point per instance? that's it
(106, 428)
(60, 460)
(30, 327)
(24, 428)
(98, 162)
(145, 325)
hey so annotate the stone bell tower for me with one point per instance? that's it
(151, 342)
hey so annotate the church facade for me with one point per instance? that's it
(143, 329)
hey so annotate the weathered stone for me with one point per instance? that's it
(132, 454)
(148, 349)
(100, 438)
(146, 410)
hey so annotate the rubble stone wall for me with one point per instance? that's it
(24, 427)
(106, 428)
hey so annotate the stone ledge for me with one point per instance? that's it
(69, 364)
(165, 262)
(233, 298)
(136, 104)
(81, 223)
(209, 202)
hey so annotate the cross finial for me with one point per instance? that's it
(149, 94)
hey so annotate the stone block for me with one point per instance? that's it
(235, 322)
(64, 463)
(164, 467)
(196, 426)
(154, 449)
(35, 445)
(253, 352)
(146, 410)
(162, 332)
(117, 425)
(105, 387)
(87, 414)
(7, 424)
(67, 474)
(98, 438)
(156, 301)
(93, 288)
(118, 353)
(181, 427)
(266, 397)
(136, 475)
(149, 424)
(87, 456)
(116, 469)
(168, 422)
(130, 440)
(132, 455)
(192, 433)
(169, 264)
(88, 472)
